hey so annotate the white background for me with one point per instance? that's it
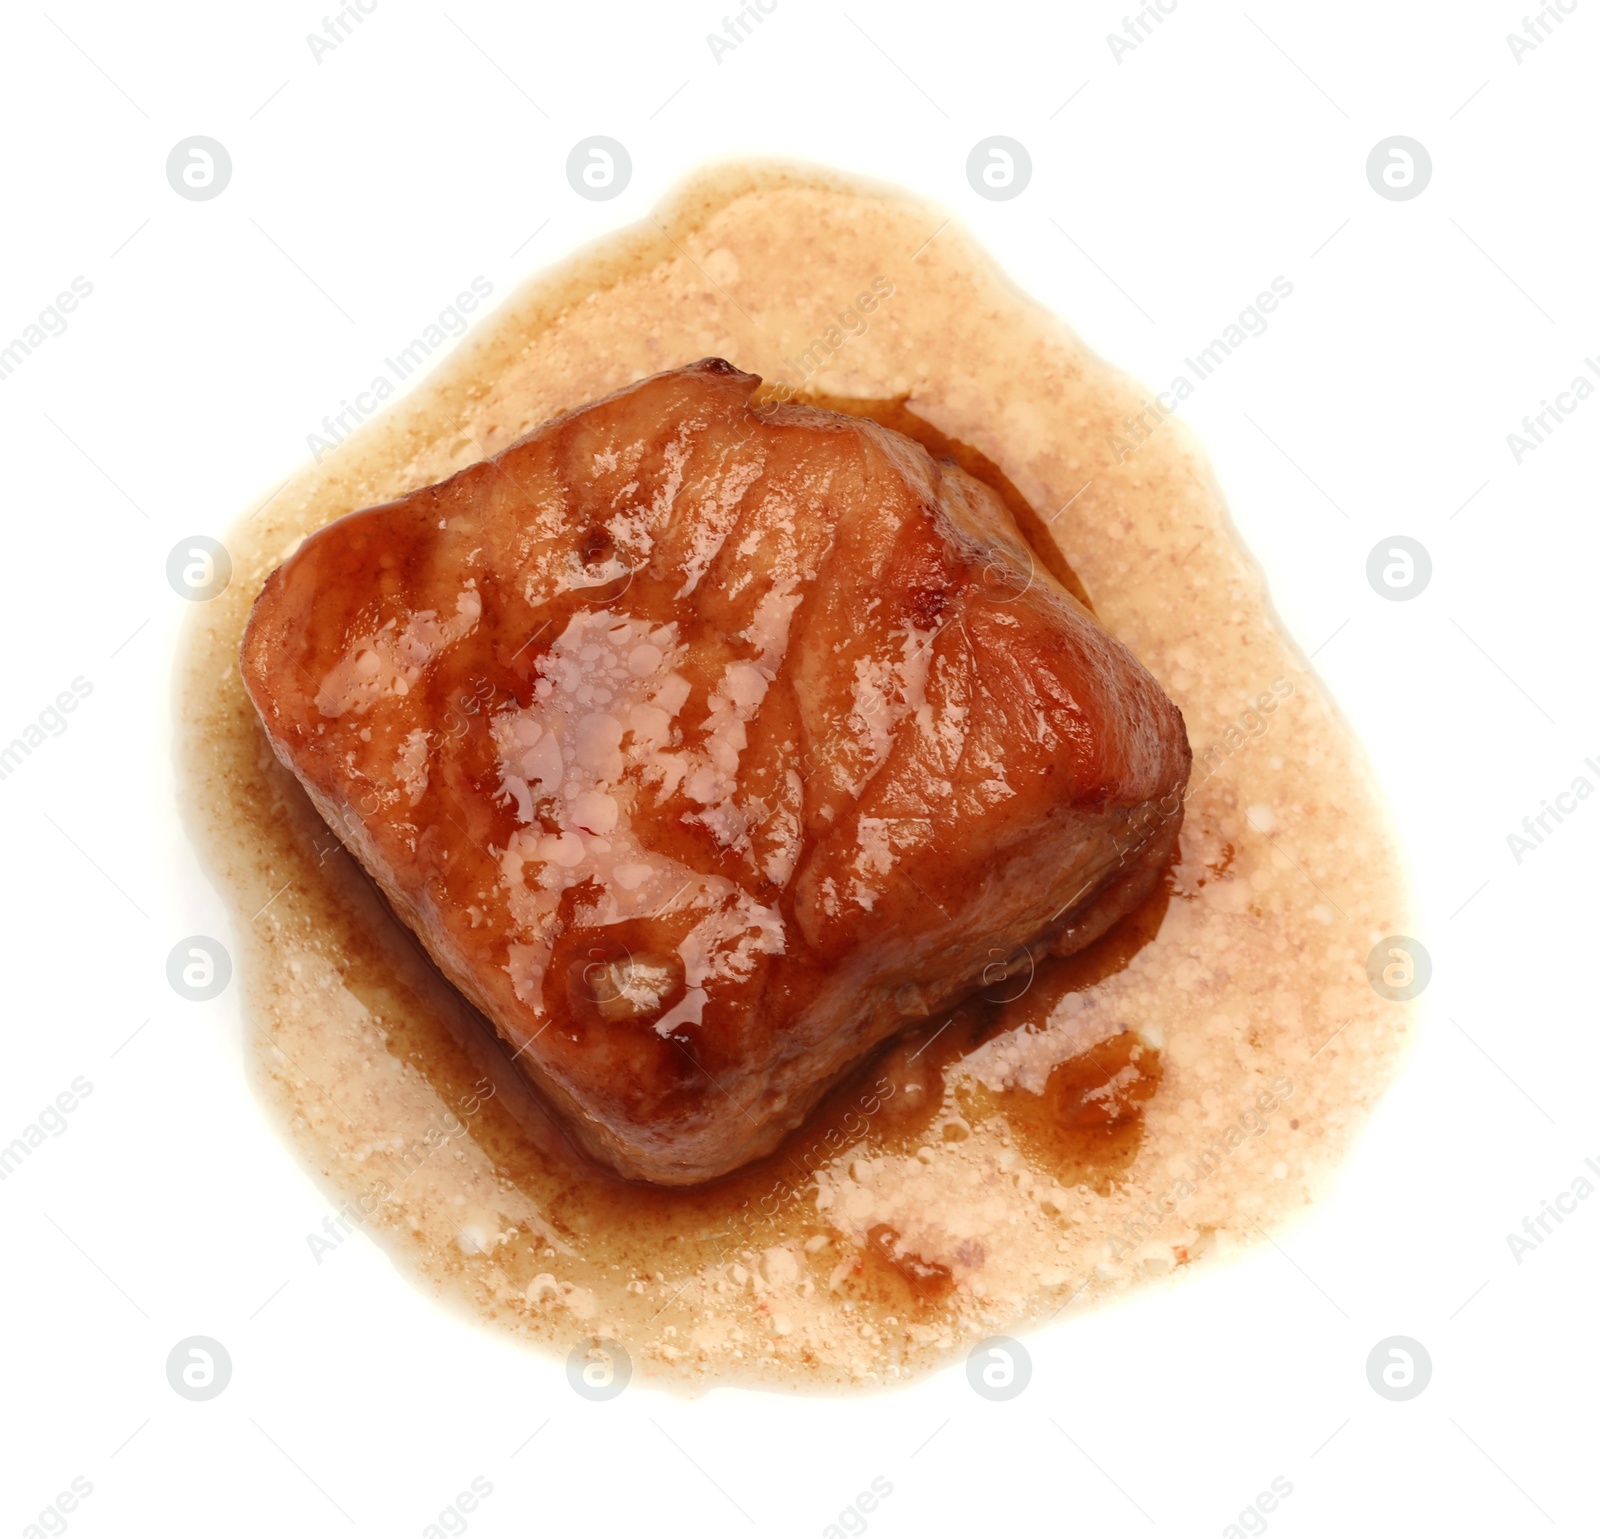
(428, 149)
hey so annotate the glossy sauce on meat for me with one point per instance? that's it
(705, 742)
(1080, 1124)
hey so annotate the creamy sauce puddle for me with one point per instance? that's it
(1098, 1122)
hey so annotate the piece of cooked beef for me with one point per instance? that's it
(705, 742)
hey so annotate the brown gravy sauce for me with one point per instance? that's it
(1087, 1125)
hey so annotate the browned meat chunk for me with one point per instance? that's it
(704, 743)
